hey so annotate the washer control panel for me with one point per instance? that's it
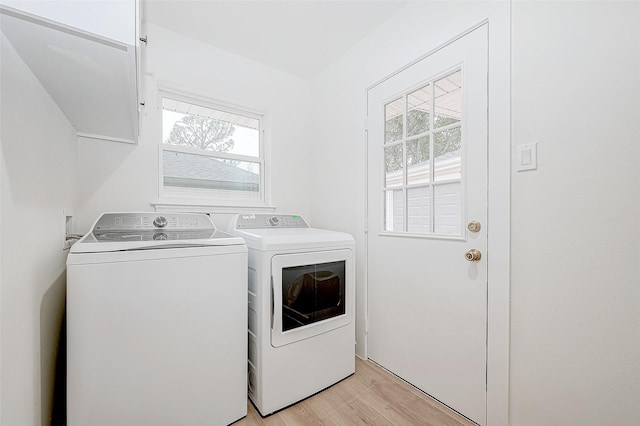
(261, 221)
(150, 221)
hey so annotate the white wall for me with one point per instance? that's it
(339, 115)
(38, 182)
(575, 352)
(124, 177)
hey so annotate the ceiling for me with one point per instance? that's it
(298, 37)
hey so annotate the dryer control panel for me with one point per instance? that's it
(262, 221)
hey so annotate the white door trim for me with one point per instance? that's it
(499, 201)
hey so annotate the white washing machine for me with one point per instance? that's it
(156, 322)
(301, 308)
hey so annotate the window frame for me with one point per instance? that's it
(202, 197)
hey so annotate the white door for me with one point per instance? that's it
(427, 181)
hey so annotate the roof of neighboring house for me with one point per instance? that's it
(189, 166)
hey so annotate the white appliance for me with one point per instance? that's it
(156, 322)
(301, 308)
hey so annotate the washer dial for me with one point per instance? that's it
(160, 222)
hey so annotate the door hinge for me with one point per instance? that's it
(366, 326)
(366, 123)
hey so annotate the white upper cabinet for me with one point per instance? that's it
(113, 19)
(85, 56)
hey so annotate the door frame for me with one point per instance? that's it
(498, 210)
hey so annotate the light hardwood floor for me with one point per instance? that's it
(372, 396)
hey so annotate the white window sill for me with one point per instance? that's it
(208, 207)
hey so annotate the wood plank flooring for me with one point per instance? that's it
(372, 396)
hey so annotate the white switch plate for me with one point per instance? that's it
(527, 158)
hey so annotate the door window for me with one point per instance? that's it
(423, 167)
(312, 293)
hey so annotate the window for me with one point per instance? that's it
(423, 159)
(211, 152)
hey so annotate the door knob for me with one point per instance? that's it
(473, 255)
(474, 226)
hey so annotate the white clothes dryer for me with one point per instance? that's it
(301, 308)
(156, 322)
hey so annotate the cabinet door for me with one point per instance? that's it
(88, 65)
(116, 20)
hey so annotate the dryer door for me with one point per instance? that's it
(312, 294)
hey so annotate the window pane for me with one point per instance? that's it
(394, 211)
(418, 164)
(418, 108)
(393, 121)
(447, 208)
(312, 293)
(447, 146)
(419, 213)
(448, 99)
(393, 165)
(198, 127)
(199, 171)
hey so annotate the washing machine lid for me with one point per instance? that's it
(284, 232)
(139, 231)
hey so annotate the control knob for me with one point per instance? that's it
(160, 222)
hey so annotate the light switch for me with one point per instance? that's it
(527, 157)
